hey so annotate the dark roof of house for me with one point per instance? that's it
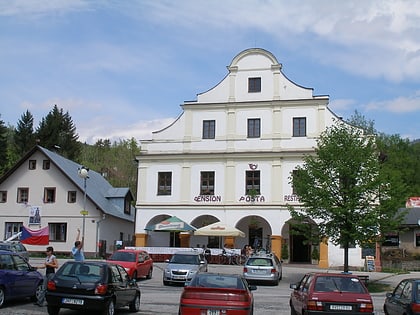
(412, 216)
(98, 189)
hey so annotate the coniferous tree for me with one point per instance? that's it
(24, 136)
(57, 132)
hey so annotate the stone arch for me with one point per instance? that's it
(298, 245)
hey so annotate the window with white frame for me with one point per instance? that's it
(22, 195)
(254, 128)
(207, 183)
(299, 127)
(209, 129)
(252, 186)
(164, 183)
(49, 194)
(58, 232)
(3, 196)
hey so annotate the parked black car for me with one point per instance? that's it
(92, 285)
(18, 279)
(405, 299)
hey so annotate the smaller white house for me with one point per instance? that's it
(46, 189)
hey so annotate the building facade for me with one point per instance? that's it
(229, 157)
(45, 189)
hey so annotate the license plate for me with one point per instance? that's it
(341, 307)
(213, 312)
(260, 272)
(178, 277)
(72, 301)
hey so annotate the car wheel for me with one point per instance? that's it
(38, 292)
(2, 297)
(385, 310)
(165, 282)
(149, 274)
(109, 308)
(135, 275)
(53, 310)
(135, 304)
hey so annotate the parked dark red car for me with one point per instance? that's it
(137, 263)
(217, 294)
(330, 293)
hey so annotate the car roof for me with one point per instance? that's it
(131, 251)
(333, 274)
(187, 252)
(3, 252)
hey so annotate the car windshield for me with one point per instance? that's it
(338, 284)
(5, 246)
(185, 259)
(123, 256)
(83, 272)
(217, 281)
(259, 262)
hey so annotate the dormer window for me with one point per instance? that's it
(254, 85)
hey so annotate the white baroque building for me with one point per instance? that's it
(229, 157)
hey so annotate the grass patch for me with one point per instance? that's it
(376, 287)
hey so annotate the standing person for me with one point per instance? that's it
(50, 264)
(77, 251)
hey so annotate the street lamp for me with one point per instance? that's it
(84, 173)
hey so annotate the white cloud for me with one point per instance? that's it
(400, 104)
(92, 131)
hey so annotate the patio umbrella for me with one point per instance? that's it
(219, 229)
(172, 224)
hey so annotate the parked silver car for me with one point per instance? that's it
(183, 265)
(263, 267)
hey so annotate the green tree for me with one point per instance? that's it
(24, 136)
(57, 132)
(342, 189)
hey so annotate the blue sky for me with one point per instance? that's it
(122, 68)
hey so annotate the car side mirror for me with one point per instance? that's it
(293, 286)
(252, 287)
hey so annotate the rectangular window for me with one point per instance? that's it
(71, 196)
(49, 195)
(417, 239)
(209, 129)
(207, 183)
(254, 85)
(254, 128)
(58, 232)
(32, 164)
(164, 183)
(299, 127)
(46, 164)
(391, 239)
(3, 196)
(12, 228)
(22, 195)
(252, 183)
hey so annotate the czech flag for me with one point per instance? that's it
(32, 237)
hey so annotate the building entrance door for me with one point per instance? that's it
(255, 237)
(300, 252)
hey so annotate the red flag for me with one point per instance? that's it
(32, 237)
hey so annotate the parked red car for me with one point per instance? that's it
(330, 293)
(217, 294)
(137, 263)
